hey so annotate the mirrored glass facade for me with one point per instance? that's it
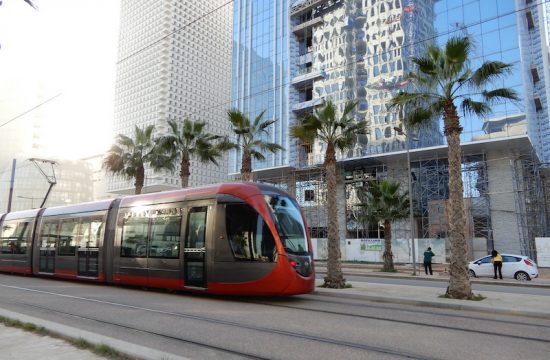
(361, 50)
(260, 71)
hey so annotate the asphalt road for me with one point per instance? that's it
(301, 327)
(442, 284)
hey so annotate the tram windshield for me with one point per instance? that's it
(288, 220)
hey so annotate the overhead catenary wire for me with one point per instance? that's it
(273, 88)
(431, 38)
(30, 110)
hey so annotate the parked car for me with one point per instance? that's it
(517, 267)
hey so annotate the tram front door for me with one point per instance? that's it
(194, 254)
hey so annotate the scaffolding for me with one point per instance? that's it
(430, 194)
(530, 200)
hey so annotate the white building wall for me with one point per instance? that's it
(174, 62)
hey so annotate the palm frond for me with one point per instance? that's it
(489, 71)
(349, 107)
(238, 119)
(173, 126)
(457, 51)
(403, 98)
(345, 140)
(225, 144)
(257, 155)
(304, 134)
(264, 125)
(434, 54)
(470, 107)
(499, 95)
(425, 65)
(258, 119)
(383, 201)
(125, 141)
(419, 116)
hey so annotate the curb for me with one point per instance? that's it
(130, 349)
(433, 304)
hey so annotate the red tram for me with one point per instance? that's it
(234, 238)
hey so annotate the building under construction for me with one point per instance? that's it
(315, 50)
(505, 195)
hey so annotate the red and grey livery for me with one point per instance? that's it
(233, 238)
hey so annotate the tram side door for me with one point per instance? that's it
(194, 253)
(90, 234)
(48, 237)
(164, 251)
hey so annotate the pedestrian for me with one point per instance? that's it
(496, 259)
(428, 255)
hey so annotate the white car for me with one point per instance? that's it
(517, 267)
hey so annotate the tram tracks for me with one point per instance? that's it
(281, 332)
(414, 310)
(210, 320)
(369, 348)
(418, 323)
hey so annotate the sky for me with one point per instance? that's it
(66, 51)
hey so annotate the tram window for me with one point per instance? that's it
(14, 237)
(165, 237)
(249, 235)
(134, 237)
(67, 237)
(196, 228)
(288, 220)
(90, 232)
(48, 234)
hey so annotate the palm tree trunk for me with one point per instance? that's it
(184, 170)
(388, 254)
(246, 166)
(459, 283)
(140, 179)
(334, 278)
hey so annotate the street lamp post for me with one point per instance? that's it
(411, 217)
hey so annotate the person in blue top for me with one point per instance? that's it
(428, 255)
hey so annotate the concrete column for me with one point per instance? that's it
(502, 202)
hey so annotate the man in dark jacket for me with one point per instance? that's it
(428, 255)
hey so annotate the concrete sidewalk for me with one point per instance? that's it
(496, 302)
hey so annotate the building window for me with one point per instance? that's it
(530, 21)
(309, 195)
(535, 74)
(538, 103)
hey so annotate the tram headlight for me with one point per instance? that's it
(293, 263)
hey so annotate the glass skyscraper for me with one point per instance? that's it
(260, 70)
(289, 56)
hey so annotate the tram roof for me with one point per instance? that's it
(23, 214)
(242, 190)
(79, 208)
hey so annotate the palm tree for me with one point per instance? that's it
(444, 81)
(188, 141)
(249, 139)
(336, 133)
(384, 203)
(128, 156)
